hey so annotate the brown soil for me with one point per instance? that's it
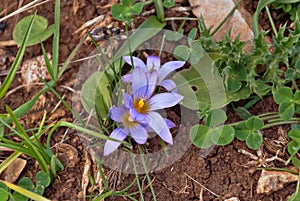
(224, 171)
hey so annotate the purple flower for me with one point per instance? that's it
(128, 127)
(135, 129)
(142, 105)
(153, 64)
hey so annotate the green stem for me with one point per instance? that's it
(159, 10)
(137, 178)
(148, 2)
(146, 170)
(267, 114)
(280, 123)
(271, 21)
(226, 18)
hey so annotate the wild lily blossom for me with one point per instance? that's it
(138, 115)
(142, 103)
(128, 126)
(153, 63)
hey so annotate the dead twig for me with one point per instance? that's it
(202, 186)
(24, 8)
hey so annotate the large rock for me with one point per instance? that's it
(213, 13)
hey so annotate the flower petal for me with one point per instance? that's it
(169, 123)
(136, 62)
(158, 124)
(152, 83)
(164, 100)
(127, 100)
(127, 78)
(136, 116)
(110, 146)
(168, 68)
(117, 113)
(169, 85)
(139, 83)
(139, 134)
(153, 63)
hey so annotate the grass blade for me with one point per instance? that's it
(260, 6)
(55, 47)
(25, 192)
(12, 72)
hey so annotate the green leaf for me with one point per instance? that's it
(125, 12)
(26, 183)
(296, 162)
(24, 192)
(40, 30)
(254, 140)
(201, 85)
(260, 6)
(290, 74)
(192, 35)
(95, 94)
(200, 137)
(169, 3)
(293, 148)
(241, 131)
(196, 53)
(173, 35)
(39, 189)
(4, 192)
(286, 110)
(43, 179)
(284, 94)
(216, 117)
(295, 135)
(234, 85)
(297, 97)
(127, 2)
(182, 52)
(243, 113)
(254, 123)
(295, 196)
(243, 93)
(19, 197)
(223, 135)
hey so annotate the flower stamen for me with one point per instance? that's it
(141, 106)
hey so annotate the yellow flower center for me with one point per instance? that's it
(128, 122)
(141, 106)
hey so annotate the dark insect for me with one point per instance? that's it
(2, 26)
(105, 33)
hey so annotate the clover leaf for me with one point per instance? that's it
(249, 131)
(200, 136)
(222, 135)
(169, 3)
(288, 102)
(194, 53)
(215, 117)
(126, 10)
(40, 30)
(254, 140)
(174, 36)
